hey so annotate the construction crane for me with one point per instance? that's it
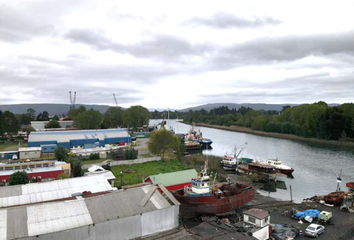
(115, 99)
(72, 100)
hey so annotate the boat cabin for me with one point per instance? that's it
(200, 186)
(259, 220)
(275, 162)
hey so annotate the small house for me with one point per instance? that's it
(257, 221)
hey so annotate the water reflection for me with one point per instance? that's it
(317, 166)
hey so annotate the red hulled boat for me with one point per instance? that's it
(206, 198)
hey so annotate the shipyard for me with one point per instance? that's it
(176, 120)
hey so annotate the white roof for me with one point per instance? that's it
(31, 170)
(59, 189)
(107, 174)
(94, 168)
(29, 149)
(65, 136)
(51, 217)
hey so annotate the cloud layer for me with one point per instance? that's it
(172, 56)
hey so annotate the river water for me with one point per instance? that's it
(316, 166)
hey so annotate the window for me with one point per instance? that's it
(26, 154)
(17, 167)
(39, 165)
(45, 165)
(9, 168)
(266, 219)
(251, 219)
(31, 166)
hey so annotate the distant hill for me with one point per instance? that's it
(254, 106)
(51, 108)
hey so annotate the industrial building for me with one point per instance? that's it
(121, 214)
(81, 138)
(29, 152)
(95, 170)
(41, 125)
(49, 191)
(34, 174)
(35, 164)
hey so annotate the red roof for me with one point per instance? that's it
(257, 213)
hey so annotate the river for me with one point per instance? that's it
(316, 166)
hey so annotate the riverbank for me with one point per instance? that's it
(278, 135)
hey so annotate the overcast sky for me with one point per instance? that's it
(176, 54)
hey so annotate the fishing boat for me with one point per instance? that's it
(206, 197)
(281, 167)
(265, 171)
(230, 161)
(350, 185)
(197, 136)
(335, 198)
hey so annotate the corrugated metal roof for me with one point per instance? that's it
(29, 149)
(125, 203)
(10, 191)
(107, 174)
(51, 217)
(58, 216)
(3, 224)
(65, 136)
(47, 191)
(174, 178)
(31, 170)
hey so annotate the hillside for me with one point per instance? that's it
(52, 109)
(255, 106)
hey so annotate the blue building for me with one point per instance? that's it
(80, 138)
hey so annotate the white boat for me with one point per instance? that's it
(279, 166)
(230, 161)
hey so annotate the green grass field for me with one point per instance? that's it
(134, 174)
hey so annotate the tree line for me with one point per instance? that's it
(133, 117)
(316, 120)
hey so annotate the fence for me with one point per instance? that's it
(135, 161)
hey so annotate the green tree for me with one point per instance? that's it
(61, 153)
(162, 141)
(10, 123)
(136, 116)
(130, 153)
(31, 114)
(113, 118)
(90, 119)
(43, 116)
(53, 124)
(77, 169)
(76, 111)
(56, 118)
(23, 119)
(19, 178)
(30, 129)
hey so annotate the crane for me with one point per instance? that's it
(72, 100)
(115, 99)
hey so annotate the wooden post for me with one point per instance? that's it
(291, 194)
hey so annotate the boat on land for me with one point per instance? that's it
(335, 198)
(350, 185)
(279, 166)
(264, 171)
(197, 136)
(207, 197)
(230, 161)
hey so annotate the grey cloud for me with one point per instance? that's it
(284, 49)
(161, 47)
(17, 25)
(227, 20)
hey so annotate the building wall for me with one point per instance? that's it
(262, 234)
(30, 154)
(66, 167)
(44, 176)
(120, 228)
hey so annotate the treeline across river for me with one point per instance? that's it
(316, 120)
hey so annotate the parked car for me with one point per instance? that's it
(314, 230)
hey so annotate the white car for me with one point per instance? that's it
(314, 230)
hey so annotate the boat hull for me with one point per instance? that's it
(286, 171)
(205, 144)
(235, 197)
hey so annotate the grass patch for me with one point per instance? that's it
(11, 147)
(88, 161)
(134, 174)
